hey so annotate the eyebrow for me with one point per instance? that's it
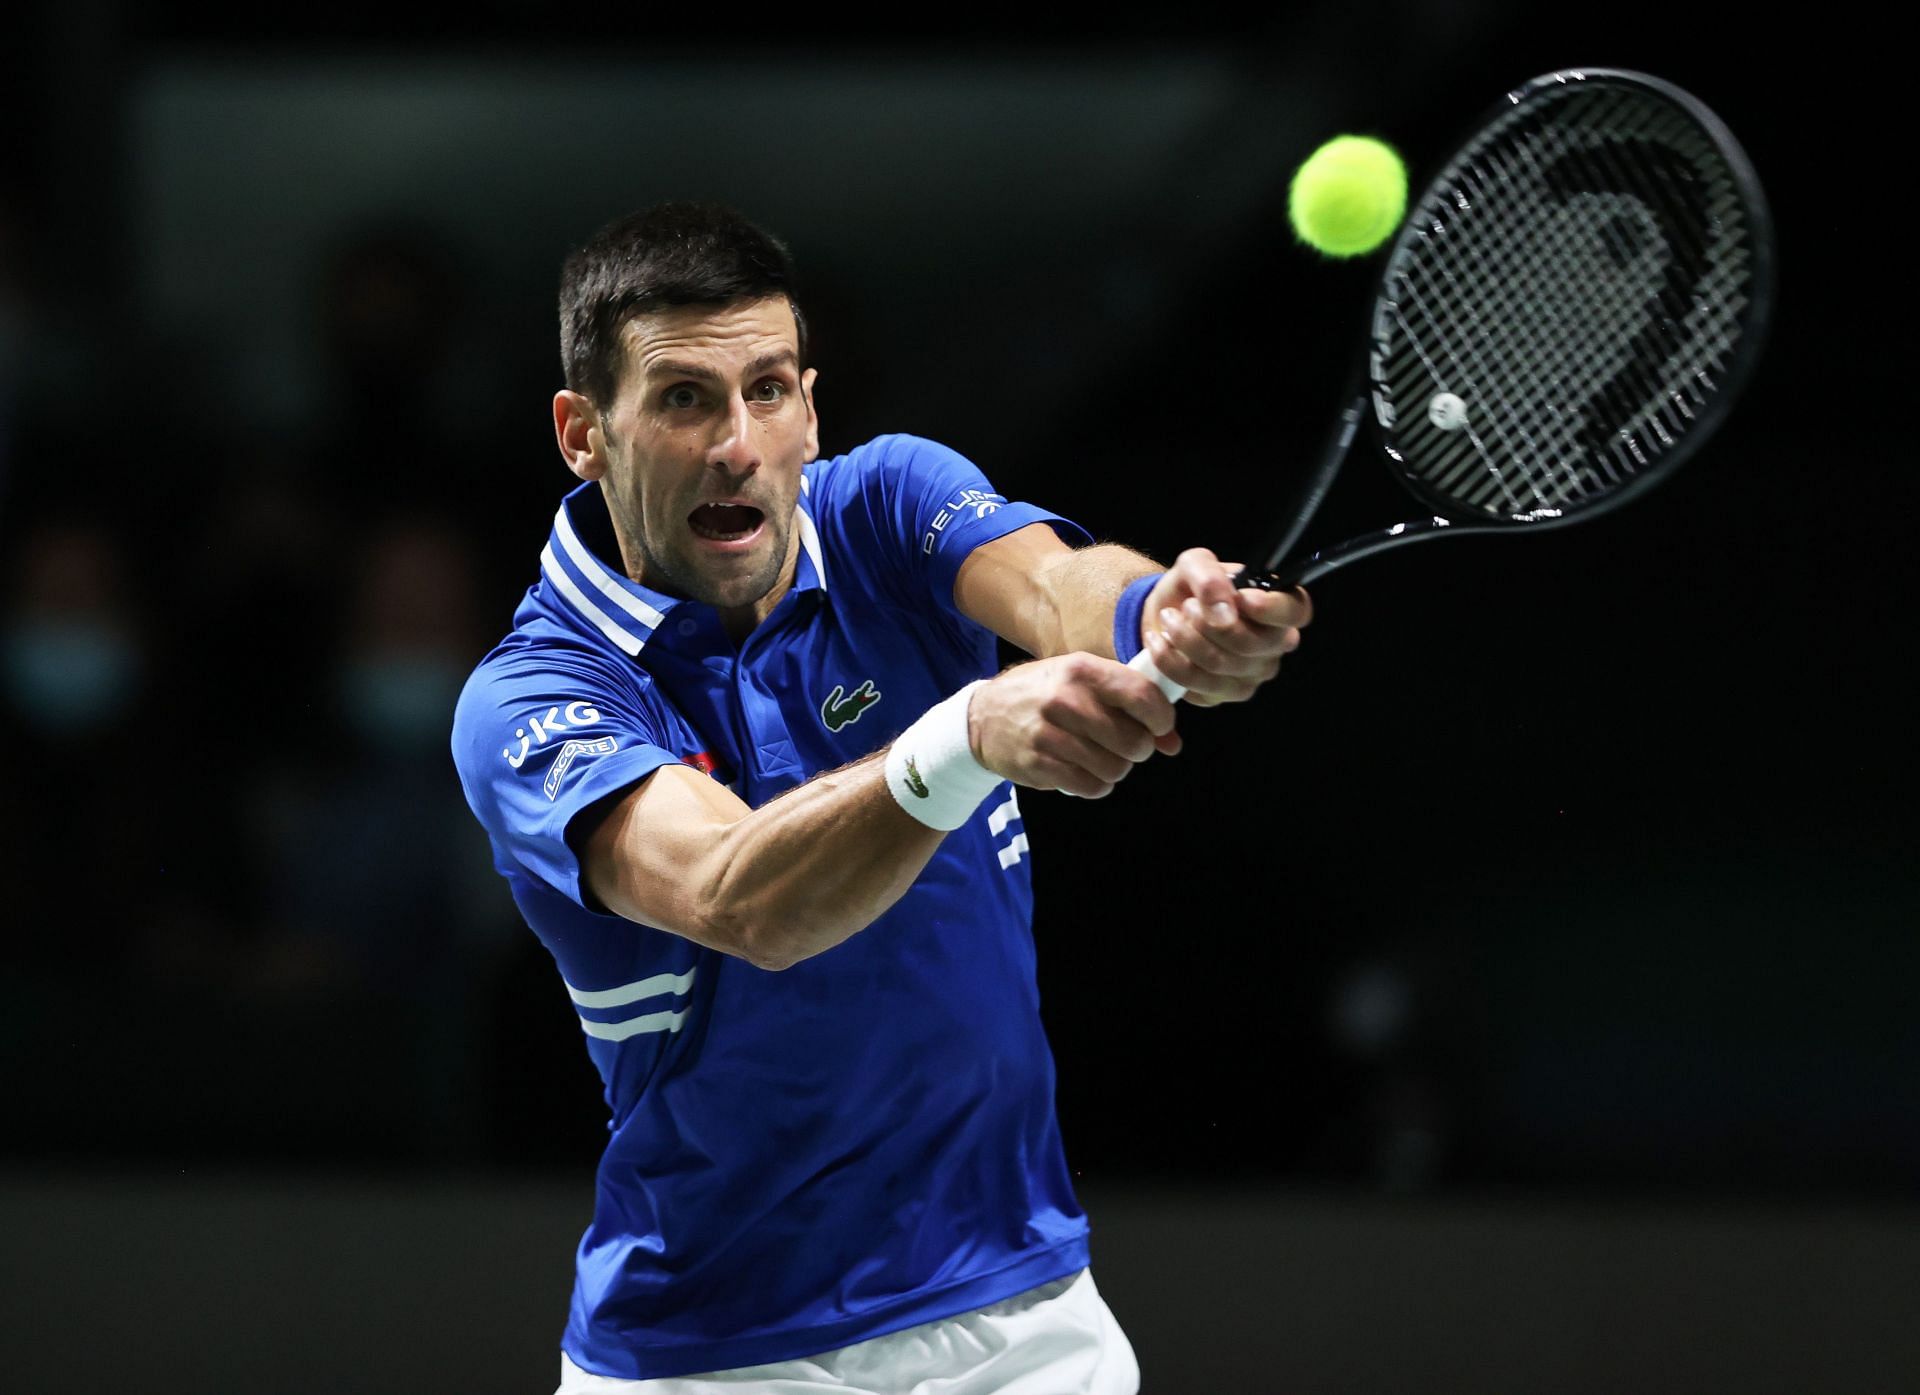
(672, 368)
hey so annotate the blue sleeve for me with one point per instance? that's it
(934, 506)
(539, 736)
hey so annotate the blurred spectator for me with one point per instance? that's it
(76, 846)
(101, 860)
(383, 905)
(1392, 1016)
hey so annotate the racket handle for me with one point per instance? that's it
(1143, 663)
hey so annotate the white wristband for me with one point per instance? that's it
(931, 769)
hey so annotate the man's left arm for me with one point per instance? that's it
(1219, 642)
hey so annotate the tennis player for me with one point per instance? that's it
(748, 768)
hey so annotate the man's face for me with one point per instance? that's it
(704, 443)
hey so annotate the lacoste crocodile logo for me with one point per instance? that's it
(842, 708)
(914, 782)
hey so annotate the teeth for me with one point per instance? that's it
(706, 521)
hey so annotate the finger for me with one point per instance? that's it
(1234, 633)
(1113, 730)
(1132, 692)
(1181, 670)
(1090, 756)
(1208, 650)
(1170, 661)
(1205, 577)
(1047, 774)
(1281, 608)
(1207, 687)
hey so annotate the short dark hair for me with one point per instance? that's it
(670, 254)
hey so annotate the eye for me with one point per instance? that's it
(769, 390)
(680, 396)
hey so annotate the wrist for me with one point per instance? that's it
(1127, 612)
(931, 769)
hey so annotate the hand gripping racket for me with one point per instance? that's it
(1566, 315)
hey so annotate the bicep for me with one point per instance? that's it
(1001, 585)
(655, 853)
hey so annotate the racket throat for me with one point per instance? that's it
(1309, 569)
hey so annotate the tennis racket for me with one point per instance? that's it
(1566, 316)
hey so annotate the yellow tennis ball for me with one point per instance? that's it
(1348, 197)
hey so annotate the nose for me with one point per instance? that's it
(735, 448)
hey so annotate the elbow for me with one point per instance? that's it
(776, 942)
(775, 924)
(753, 938)
(773, 958)
(754, 941)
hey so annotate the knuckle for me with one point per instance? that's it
(1054, 745)
(1051, 774)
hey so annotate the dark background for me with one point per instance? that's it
(1572, 869)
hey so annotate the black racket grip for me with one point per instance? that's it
(1248, 579)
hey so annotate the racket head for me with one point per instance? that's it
(1573, 303)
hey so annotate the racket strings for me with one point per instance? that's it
(1493, 285)
(1485, 262)
(1524, 307)
(1639, 154)
(1610, 239)
(1667, 181)
(1579, 283)
(1542, 292)
(1497, 296)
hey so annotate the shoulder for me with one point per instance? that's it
(891, 488)
(884, 462)
(547, 681)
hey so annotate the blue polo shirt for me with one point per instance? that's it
(862, 1142)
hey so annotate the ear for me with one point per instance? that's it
(576, 428)
(813, 417)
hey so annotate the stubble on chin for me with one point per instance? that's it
(684, 576)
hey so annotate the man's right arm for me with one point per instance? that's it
(803, 872)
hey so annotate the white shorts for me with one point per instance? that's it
(1058, 1339)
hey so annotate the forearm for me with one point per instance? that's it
(1076, 596)
(822, 862)
(798, 875)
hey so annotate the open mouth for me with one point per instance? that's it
(725, 522)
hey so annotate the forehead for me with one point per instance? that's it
(716, 336)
